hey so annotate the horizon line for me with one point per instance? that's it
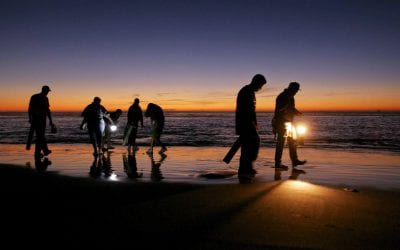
(229, 111)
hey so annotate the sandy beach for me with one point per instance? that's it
(353, 205)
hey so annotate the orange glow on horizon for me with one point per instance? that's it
(67, 100)
(78, 107)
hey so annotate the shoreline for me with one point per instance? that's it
(198, 165)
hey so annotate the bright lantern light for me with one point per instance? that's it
(113, 128)
(301, 130)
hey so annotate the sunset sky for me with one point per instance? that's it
(196, 55)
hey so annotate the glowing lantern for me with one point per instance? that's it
(113, 128)
(295, 132)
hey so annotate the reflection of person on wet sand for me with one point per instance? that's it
(42, 164)
(101, 165)
(95, 168)
(278, 174)
(156, 174)
(295, 173)
(130, 166)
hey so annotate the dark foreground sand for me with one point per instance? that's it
(49, 210)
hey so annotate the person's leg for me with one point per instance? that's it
(160, 129)
(40, 144)
(293, 153)
(38, 140)
(153, 136)
(101, 134)
(133, 137)
(249, 152)
(107, 136)
(292, 149)
(93, 140)
(280, 142)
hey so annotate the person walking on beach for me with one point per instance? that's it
(93, 116)
(114, 116)
(135, 115)
(39, 111)
(285, 111)
(156, 115)
(247, 126)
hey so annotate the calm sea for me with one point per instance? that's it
(340, 130)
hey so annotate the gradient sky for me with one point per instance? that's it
(196, 55)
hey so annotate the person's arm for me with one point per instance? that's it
(30, 111)
(84, 118)
(295, 111)
(49, 116)
(83, 123)
(141, 117)
(49, 112)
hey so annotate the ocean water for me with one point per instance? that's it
(338, 130)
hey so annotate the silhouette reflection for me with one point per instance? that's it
(130, 166)
(296, 173)
(101, 166)
(41, 164)
(246, 178)
(156, 174)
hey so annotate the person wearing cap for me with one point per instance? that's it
(285, 111)
(93, 116)
(39, 111)
(247, 126)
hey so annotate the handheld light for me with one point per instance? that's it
(113, 128)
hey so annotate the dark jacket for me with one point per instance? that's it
(93, 114)
(155, 112)
(285, 109)
(135, 115)
(39, 107)
(246, 120)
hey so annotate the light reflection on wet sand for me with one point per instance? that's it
(188, 164)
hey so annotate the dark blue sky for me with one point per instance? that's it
(186, 51)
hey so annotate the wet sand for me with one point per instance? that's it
(54, 209)
(351, 169)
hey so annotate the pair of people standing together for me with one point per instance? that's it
(135, 116)
(247, 126)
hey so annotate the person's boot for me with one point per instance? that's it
(298, 162)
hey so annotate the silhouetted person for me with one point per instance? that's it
(285, 111)
(135, 116)
(156, 115)
(39, 111)
(247, 126)
(93, 116)
(114, 116)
